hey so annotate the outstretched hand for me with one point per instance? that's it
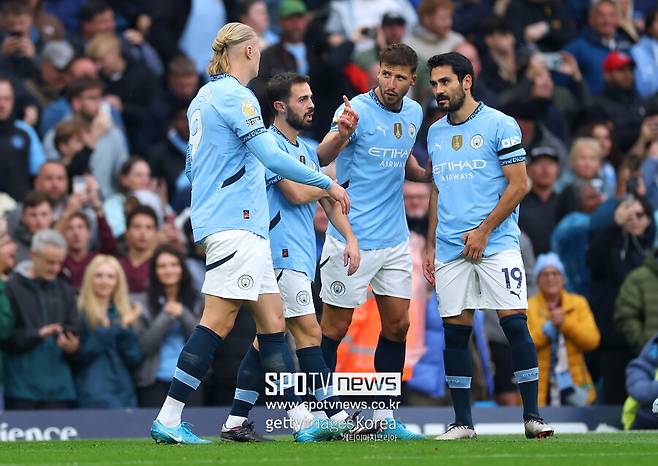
(348, 120)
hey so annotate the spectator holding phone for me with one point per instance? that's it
(108, 345)
(45, 333)
(18, 48)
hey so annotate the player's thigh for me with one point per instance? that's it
(503, 281)
(393, 278)
(457, 288)
(394, 316)
(238, 266)
(465, 318)
(305, 330)
(335, 321)
(219, 314)
(268, 313)
(338, 289)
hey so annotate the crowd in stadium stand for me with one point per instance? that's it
(100, 275)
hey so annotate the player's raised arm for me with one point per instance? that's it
(265, 148)
(430, 248)
(342, 129)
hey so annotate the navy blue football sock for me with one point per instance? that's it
(311, 361)
(250, 383)
(459, 370)
(193, 362)
(329, 351)
(524, 361)
(275, 357)
(389, 357)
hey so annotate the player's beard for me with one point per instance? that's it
(298, 123)
(454, 103)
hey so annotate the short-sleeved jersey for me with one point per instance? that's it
(467, 161)
(292, 235)
(371, 168)
(228, 182)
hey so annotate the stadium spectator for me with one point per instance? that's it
(393, 30)
(416, 204)
(537, 215)
(563, 328)
(130, 87)
(254, 13)
(644, 54)
(97, 17)
(110, 150)
(357, 20)
(36, 215)
(19, 47)
(76, 227)
(74, 146)
(141, 240)
(186, 27)
(648, 134)
(134, 176)
(109, 347)
(172, 312)
(21, 148)
(53, 181)
(602, 131)
(45, 333)
(469, 16)
(614, 252)
(619, 101)
(546, 24)
(168, 156)
(595, 42)
(53, 77)
(433, 34)
(586, 164)
(500, 64)
(627, 25)
(650, 175)
(323, 62)
(636, 308)
(181, 85)
(7, 262)
(642, 386)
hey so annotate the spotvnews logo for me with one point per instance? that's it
(337, 384)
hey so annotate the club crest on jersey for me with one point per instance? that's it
(302, 159)
(412, 130)
(477, 141)
(397, 130)
(457, 141)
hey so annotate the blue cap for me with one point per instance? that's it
(547, 260)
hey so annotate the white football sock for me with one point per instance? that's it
(233, 421)
(381, 414)
(301, 417)
(171, 412)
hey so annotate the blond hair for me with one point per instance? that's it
(230, 35)
(102, 44)
(88, 302)
(588, 142)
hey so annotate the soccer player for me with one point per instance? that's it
(473, 257)
(292, 240)
(371, 166)
(228, 147)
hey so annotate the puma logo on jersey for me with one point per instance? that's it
(382, 129)
(518, 295)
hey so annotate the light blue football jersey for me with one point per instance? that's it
(371, 168)
(228, 180)
(467, 161)
(292, 234)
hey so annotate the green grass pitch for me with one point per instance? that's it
(564, 450)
